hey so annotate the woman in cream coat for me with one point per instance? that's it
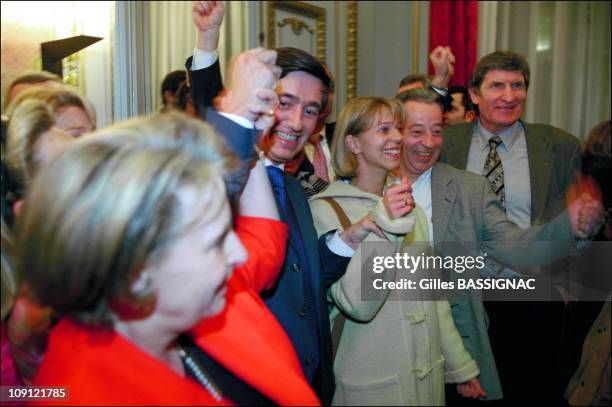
(390, 352)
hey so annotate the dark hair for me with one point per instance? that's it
(295, 60)
(466, 101)
(420, 95)
(500, 61)
(413, 78)
(172, 82)
(183, 94)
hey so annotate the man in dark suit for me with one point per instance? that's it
(538, 163)
(298, 299)
(311, 166)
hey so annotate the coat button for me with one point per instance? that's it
(308, 360)
(296, 267)
(302, 313)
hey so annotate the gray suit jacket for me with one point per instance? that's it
(554, 157)
(464, 209)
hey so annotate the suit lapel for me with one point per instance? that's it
(458, 147)
(540, 157)
(442, 199)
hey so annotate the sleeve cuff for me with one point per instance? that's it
(203, 59)
(242, 121)
(337, 246)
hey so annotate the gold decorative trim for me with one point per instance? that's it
(351, 50)
(337, 67)
(298, 7)
(297, 25)
(415, 35)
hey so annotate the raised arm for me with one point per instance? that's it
(443, 62)
(203, 68)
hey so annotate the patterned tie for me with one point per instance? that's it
(319, 162)
(494, 170)
(277, 179)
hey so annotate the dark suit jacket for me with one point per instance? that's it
(286, 298)
(205, 84)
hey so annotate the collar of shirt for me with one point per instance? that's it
(423, 180)
(267, 162)
(508, 136)
(242, 121)
(421, 191)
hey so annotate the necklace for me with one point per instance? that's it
(198, 372)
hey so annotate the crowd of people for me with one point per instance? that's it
(215, 252)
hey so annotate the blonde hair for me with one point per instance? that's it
(57, 97)
(9, 278)
(97, 214)
(598, 143)
(27, 122)
(358, 116)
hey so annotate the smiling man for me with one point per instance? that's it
(530, 167)
(460, 207)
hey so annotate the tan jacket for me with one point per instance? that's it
(392, 351)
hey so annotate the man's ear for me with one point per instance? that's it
(352, 144)
(470, 115)
(17, 208)
(473, 95)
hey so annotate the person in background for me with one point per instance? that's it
(183, 101)
(589, 347)
(28, 81)
(32, 140)
(72, 112)
(170, 86)
(10, 375)
(461, 110)
(443, 61)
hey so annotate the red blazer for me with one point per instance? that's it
(102, 367)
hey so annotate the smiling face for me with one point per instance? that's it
(190, 277)
(300, 99)
(378, 148)
(422, 138)
(501, 99)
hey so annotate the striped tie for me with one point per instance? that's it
(494, 170)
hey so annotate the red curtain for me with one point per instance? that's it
(455, 24)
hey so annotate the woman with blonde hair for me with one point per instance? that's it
(32, 140)
(388, 351)
(72, 112)
(128, 236)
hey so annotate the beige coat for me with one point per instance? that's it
(391, 352)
